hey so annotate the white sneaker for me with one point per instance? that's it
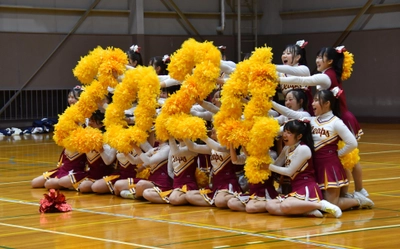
(126, 194)
(314, 213)
(363, 201)
(331, 208)
(363, 191)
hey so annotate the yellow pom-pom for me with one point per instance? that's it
(254, 171)
(144, 174)
(347, 65)
(351, 159)
(262, 136)
(142, 84)
(197, 65)
(85, 140)
(101, 64)
(185, 126)
(88, 66)
(255, 77)
(201, 178)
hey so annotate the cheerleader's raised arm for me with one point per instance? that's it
(199, 148)
(215, 145)
(237, 159)
(149, 158)
(300, 70)
(321, 81)
(291, 114)
(108, 154)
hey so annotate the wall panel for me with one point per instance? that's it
(372, 91)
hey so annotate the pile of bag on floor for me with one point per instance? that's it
(45, 125)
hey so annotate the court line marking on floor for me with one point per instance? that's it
(370, 165)
(389, 191)
(121, 204)
(194, 225)
(381, 179)
(366, 180)
(8, 183)
(23, 145)
(348, 231)
(379, 143)
(379, 152)
(77, 235)
(27, 160)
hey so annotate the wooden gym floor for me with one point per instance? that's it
(105, 221)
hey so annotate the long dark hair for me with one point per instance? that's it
(135, 56)
(327, 95)
(297, 50)
(98, 117)
(298, 127)
(337, 60)
(162, 62)
(300, 95)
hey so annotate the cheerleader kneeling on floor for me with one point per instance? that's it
(296, 162)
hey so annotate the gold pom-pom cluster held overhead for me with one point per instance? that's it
(256, 77)
(142, 84)
(96, 70)
(197, 66)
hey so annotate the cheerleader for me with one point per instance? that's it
(330, 63)
(167, 84)
(295, 161)
(327, 129)
(124, 177)
(69, 161)
(160, 64)
(295, 64)
(134, 56)
(159, 182)
(183, 164)
(98, 163)
(296, 106)
(224, 181)
(254, 201)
